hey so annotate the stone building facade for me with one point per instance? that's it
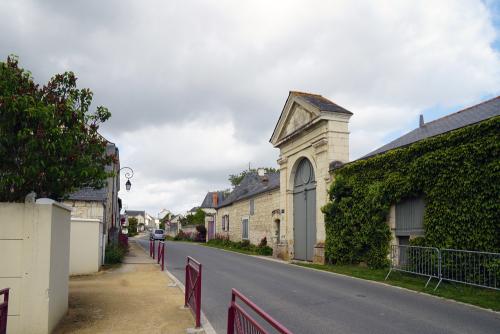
(260, 221)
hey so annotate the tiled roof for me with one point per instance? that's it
(89, 194)
(135, 213)
(251, 185)
(460, 119)
(322, 103)
(208, 201)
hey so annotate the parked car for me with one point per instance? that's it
(157, 235)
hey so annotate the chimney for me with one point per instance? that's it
(215, 198)
(421, 122)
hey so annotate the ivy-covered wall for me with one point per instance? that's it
(458, 174)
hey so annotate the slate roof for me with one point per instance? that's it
(135, 213)
(89, 194)
(208, 201)
(459, 119)
(321, 102)
(251, 185)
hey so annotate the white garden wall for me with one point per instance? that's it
(86, 242)
(34, 263)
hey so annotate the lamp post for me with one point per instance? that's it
(128, 175)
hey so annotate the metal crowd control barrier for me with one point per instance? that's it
(161, 254)
(240, 322)
(417, 260)
(480, 269)
(474, 268)
(192, 292)
(4, 310)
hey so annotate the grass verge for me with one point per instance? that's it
(485, 298)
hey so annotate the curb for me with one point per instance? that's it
(205, 324)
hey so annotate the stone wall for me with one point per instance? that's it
(260, 224)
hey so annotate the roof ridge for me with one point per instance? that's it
(304, 93)
(460, 111)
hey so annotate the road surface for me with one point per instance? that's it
(308, 301)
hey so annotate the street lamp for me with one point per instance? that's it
(128, 175)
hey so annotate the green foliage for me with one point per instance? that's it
(198, 218)
(114, 253)
(457, 173)
(48, 138)
(132, 226)
(236, 179)
(222, 241)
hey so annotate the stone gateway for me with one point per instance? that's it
(285, 207)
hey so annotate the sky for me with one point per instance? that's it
(196, 87)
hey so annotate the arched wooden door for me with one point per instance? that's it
(304, 211)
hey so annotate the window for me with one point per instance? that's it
(252, 207)
(244, 228)
(225, 223)
(277, 230)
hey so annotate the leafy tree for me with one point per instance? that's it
(236, 179)
(48, 138)
(132, 226)
(199, 217)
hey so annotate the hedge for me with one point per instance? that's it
(458, 175)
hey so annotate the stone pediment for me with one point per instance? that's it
(298, 118)
(296, 115)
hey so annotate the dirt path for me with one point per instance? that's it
(134, 298)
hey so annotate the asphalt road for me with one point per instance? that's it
(308, 301)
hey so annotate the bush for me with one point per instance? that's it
(201, 236)
(223, 241)
(114, 254)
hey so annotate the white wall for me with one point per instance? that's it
(85, 250)
(35, 247)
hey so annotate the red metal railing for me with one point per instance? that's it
(161, 254)
(240, 322)
(192, 293)
(152, 248)
(4, 309)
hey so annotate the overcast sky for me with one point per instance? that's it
(196, 87)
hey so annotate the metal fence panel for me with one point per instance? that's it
(424, 261)
(470, 267)
(480, 269)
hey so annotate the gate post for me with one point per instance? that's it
(230, 315)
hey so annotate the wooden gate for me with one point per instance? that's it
(304, 211)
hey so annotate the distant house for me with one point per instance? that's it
(192, 211)
(209, 205)
(140, 215)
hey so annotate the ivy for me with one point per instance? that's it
(458, 175)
